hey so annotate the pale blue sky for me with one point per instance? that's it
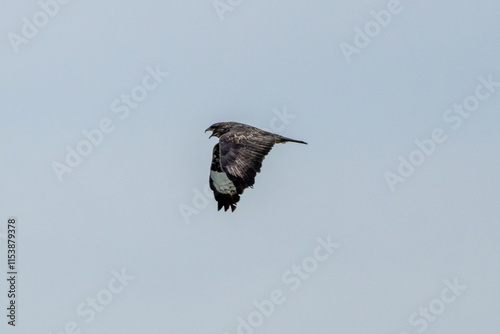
(118, 213)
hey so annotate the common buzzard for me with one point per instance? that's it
(237, 159)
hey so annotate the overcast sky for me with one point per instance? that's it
(386, 223)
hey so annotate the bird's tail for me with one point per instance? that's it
(282, 139)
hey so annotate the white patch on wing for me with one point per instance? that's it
(222, 183)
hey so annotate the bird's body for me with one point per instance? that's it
(237, 159)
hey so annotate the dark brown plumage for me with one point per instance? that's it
(237, 159)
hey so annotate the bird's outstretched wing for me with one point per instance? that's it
(225, 192)
(242, 153)
(236, 160)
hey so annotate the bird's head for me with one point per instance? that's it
(218, 129)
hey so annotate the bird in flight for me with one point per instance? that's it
(237, 159)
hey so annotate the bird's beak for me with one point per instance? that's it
(210, 129)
